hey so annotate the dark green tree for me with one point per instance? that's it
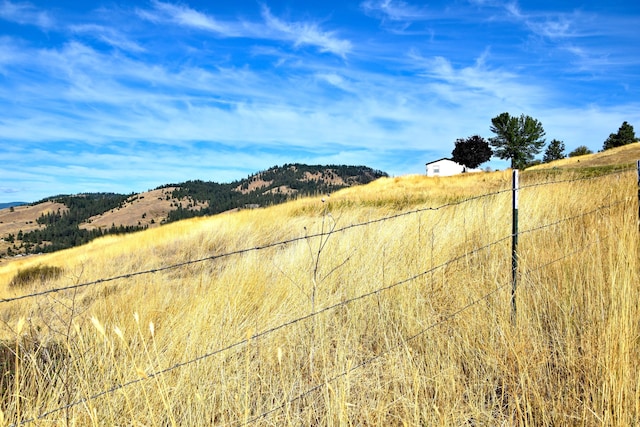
(517, 138)
(625, 136)
(471, 152)
(555, 151)
(580, 151)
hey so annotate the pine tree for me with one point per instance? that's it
(555, 151)
(625, 135)
(517, 138)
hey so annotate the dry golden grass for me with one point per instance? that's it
(411, 324)
(625, 155)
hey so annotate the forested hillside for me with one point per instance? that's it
(273, 186)
(61, 229)
(74, 222)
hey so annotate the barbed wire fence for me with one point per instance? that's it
(296, 239)
(332, 307)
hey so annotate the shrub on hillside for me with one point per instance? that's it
(580, 151)
(38, 273)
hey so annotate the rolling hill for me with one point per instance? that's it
(64, 221)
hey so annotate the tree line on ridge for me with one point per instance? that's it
(520, 139)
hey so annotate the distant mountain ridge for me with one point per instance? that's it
(64, 221)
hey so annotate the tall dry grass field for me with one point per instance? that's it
(386, 304)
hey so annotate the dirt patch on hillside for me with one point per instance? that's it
(144, 209)
(12, 220)
(256, 184)
(23, 218)
(283, 189)
(148, 209)
(328, 176)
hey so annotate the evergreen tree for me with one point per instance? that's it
(625, 136)
(555, 151)
(517, 138)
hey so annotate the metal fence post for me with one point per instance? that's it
(514, 245)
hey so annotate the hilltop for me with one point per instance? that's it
(64, 221)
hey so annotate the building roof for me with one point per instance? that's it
(439, 160)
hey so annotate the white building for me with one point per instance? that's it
(447, 167)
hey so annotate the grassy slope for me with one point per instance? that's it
(435, 348)
(625, 155)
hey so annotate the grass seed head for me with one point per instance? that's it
(98, 326)
(20, 325)
(119, 333)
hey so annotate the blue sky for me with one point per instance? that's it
(124, 96)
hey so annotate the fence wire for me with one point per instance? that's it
(584, 178)
(267, 332)
(443, 320)
(571, 218)
(377, 291)
(247, 250)
(293, 240)
(321, 311)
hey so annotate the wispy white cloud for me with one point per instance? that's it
(306, 33)
(10, 53)
(553, 26)
(96, 102)
(299, 33)
(586, 41)
(395, 10)
(397, 16)
(243, 108)
(25, 14)
(107, 35)
(188, 17)
(478, 83)
(336, 80)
